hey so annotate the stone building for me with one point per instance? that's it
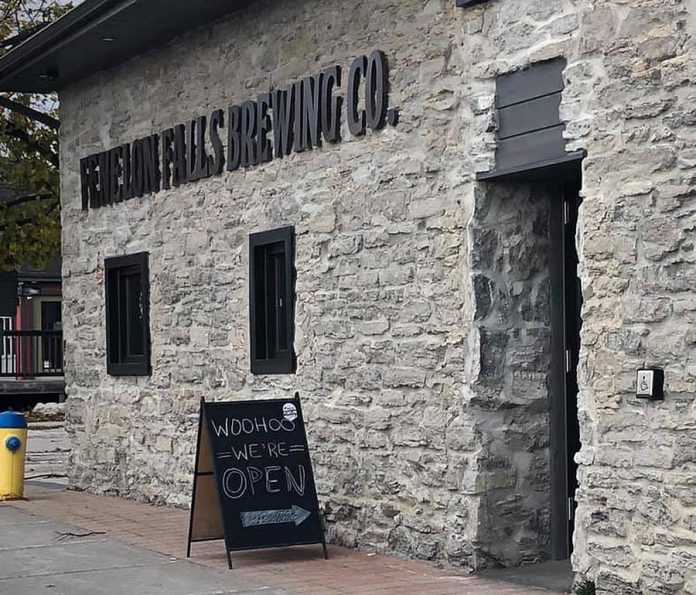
(478, 276)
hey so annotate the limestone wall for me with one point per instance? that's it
(393, 342)
(383, 310)
(636, 529)
(629, 102)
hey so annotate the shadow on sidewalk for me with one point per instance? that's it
(554, 576)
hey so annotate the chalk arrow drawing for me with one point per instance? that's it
(295, 515)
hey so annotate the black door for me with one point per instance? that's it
(565, 338)
(50, 316)
(51, 343)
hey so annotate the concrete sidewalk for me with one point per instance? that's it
(47, 452)
(40, 556)
(72, 543)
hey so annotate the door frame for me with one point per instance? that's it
(562, 508)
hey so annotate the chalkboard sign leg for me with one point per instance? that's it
(323, 525)
(229, 560)
(195, 478)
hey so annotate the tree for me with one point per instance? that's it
(29, 180)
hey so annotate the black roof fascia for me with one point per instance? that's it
(50, 273)
(82, 42)
(45, 39)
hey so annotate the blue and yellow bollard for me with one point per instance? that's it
(13, 448)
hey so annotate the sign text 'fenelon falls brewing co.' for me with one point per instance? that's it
(279, 122)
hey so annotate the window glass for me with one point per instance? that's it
(272, 301)
(127, 312)
(134, 322)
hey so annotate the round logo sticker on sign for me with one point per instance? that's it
(289, 412)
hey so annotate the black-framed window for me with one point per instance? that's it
(272, 301)
(127, 315)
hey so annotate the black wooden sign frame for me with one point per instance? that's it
(214, 511)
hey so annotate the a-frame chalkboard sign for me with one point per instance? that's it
(253, 484)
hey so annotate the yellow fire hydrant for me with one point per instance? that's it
(13, 448)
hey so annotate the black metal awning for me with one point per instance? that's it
(99, 34)
(564, 167)
(529, 138)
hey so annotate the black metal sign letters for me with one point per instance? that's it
(295, 119)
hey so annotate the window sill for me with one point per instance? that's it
(139, 369)
(279, 366)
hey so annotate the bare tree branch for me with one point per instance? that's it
(29, 112)
(10, 42)
(25, 198)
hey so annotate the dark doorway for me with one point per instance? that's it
(566, 302)
(531, 148)
(51, 343)
(50, 316)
